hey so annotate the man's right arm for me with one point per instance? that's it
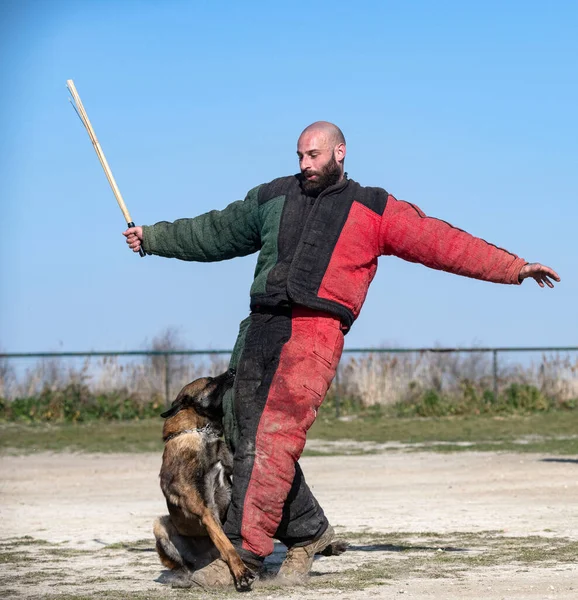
(216, 235)
(408, 233)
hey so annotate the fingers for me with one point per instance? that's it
(551, 273)
(133, 237)
(133, 231)
(547, 272)
(544, 276)
(540, 273)
(134, 243)
(542, 279)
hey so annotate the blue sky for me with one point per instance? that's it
(466, 109)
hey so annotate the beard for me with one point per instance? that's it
(329, 175)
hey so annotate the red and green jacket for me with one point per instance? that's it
(322, 252)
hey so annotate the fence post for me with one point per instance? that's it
(167, 381)
(337, 399)
(495, 373)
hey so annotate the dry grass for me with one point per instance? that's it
(386, 379)
(369, 379)
(138, 378)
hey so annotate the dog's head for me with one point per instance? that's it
(204, 395)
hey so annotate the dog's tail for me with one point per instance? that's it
(165, 533)
(177, 551)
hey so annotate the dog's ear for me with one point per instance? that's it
(173, 410)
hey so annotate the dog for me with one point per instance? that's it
(195, 478)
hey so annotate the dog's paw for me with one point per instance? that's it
(245, 580)
(336, 548)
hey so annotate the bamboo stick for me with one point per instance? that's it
(79, 107)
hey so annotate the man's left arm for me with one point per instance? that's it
(408, 233)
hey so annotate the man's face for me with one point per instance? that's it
(318, 163)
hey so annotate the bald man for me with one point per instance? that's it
(319, 235)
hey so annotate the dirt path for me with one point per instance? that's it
(419, 525)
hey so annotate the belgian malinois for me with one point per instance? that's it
(195, 478)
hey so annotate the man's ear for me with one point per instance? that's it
(339, 152)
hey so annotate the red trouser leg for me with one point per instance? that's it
(306, 367)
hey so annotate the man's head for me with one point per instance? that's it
(321, 151)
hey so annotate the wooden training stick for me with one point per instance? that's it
(78, 106)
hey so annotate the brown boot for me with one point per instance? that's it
(218, 575)
(297, 565)
(215, 575)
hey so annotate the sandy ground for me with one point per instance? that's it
(84, 503)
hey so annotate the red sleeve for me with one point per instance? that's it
(408, 233)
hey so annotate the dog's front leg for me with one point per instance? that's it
(243, 576)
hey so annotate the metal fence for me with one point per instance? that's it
(496, 355)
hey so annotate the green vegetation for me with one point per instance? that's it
(75, 403)
(468, 400)
(517, 398)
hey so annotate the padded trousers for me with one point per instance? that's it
(284, 365)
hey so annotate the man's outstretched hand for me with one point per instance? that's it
(540, 273)
(133, 237)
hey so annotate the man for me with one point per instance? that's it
(319, 235)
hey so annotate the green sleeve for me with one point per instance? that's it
(216, 235)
